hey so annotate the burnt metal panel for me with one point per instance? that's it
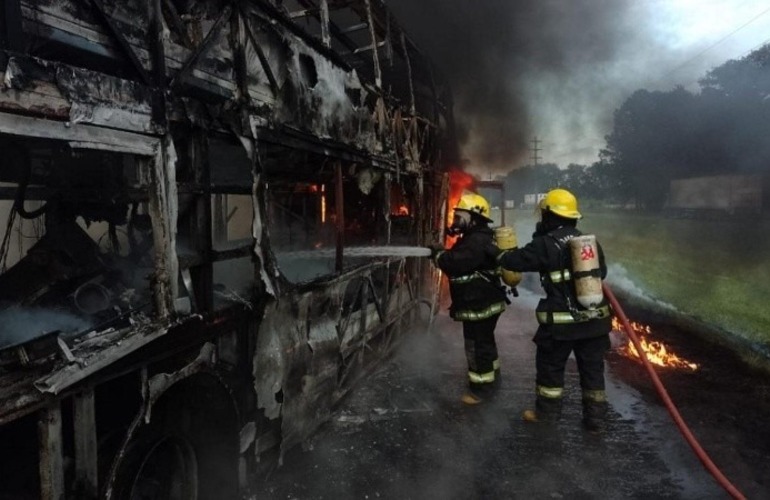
(297, 373)
(97, 78)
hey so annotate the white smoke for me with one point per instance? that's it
(620, 282)
(20, 325)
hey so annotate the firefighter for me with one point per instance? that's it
(478, 299)
(565, 326)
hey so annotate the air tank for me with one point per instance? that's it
(505, 238)
(586, 272)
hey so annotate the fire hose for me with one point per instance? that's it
(672, 410)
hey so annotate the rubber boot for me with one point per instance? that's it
(470, 398)
(479, 393)
(547, 410)
(594, 414)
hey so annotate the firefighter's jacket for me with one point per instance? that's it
(474, 284)
(559, 313)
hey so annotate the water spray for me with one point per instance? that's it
(364, 251)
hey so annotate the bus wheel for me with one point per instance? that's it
(159, 468)
(189, 450)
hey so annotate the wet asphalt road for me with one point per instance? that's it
(403, 434)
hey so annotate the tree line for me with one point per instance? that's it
(659, 136)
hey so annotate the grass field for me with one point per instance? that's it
(714, 271)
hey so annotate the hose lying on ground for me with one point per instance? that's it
(672, 410)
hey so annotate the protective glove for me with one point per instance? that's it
(435, 249)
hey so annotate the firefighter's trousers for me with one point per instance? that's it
(481, 354)
(552, 355)
(551, 360)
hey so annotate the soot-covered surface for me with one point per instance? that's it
(403, 433)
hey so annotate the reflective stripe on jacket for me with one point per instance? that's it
(559, 313)
(474, 286)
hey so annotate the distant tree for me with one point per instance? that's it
(646, 144)
(547, 176)
(659, 136)
(574, 178)
(736, 102)
(603, 181)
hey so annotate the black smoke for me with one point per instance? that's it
(554, 69)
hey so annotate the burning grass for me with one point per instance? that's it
(655, 351)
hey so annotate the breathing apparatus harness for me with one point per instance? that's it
(577, 285)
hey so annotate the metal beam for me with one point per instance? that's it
(300, 13)
(325, 36)
(412, 103)
(339, 199)
(122, 42)
(86, 466)
(260, 54)
(51, 462)
(199, 222)
(333, 29)
(175, 21)
(190, 63)
(37, 193)
(373, 35)
(158, 63)
(354, 28)
(277, 16)
(84, 135)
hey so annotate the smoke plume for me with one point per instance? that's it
(553, 69)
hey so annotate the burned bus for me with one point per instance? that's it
(164, 163)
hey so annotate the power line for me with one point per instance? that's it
(736, 30)
(755, 48)
(739, 57)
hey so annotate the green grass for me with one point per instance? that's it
(715, 271)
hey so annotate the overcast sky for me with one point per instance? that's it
(557, 69)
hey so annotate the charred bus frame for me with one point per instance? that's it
(162, 160)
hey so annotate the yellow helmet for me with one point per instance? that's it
(475, 204)
(562, 203)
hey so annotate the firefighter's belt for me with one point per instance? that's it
(566, 275)
(496, 308)
(470, 277)
(562, 317)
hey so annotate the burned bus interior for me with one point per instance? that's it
(179, 183)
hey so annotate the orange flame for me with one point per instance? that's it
(323, 203)
(459, 182)
(656, 352)
(401, 210)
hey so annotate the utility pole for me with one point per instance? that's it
(535, 149)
